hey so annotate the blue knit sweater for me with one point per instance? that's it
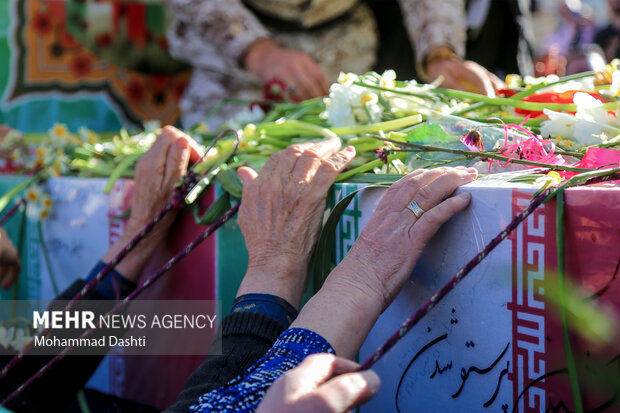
(245, 392)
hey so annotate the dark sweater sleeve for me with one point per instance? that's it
(58, 386)
(245, 338)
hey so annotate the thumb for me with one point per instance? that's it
(346, 391)
(246, 174)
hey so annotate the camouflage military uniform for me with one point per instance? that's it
(213, 36)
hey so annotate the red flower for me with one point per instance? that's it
(274, 90)
(81, 65)
(135, 91)
(553, 97)
(104, 40)
(42, 23)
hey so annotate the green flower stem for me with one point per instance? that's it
(13, 192)
(46, 258)
(319, 130)
(423, 94)
(268, 140)
(20, 249)
(535, 122)
(359, 141)
(366, 147)
(471, 108)
(483, 154)
(570, 359)
(512, 102)
(102, 171)
(376, 127)
(536, 88)
(377, 163)
(122, 166)
(583, 177)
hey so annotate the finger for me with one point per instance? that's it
(3, 272)
(401, 196)
(348, 390)
(247, 175)
(318, 368)
(330, 168)
(476, 79)
(313, 156)
(315, 71)
(496, 82)
(432, 220)
(308, 87)
(314, 74)
(163, 141)
(196, 150)
(153, 163)
(176, 163)
(11, 276)
(442, 187)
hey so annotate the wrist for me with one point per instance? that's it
(437, 54)
(342, 313)
(281, 276)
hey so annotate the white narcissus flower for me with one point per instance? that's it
(20, 339)
(340, 103)
(614, 88)
(4, 337)
(245, 116)
(88, 135)
(370, 101)
(559, 124)
(586, 83)
(591, 124)
(388, 79)
(151, 125)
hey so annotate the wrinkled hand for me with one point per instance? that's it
(282, 211)
(301, 74)
(322, 383)
(157, 172)
(464, 75)
(9, 260)
(386, 251)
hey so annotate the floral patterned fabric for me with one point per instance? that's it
(213, 36)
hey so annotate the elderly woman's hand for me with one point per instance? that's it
(322, 383)
(386, 251)
(374, 270)
(9, 260)
(281, 214)
(157, 172)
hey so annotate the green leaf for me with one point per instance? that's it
(214, 212)
(229, 180)
(322, 262)
(120, 170)
(6, 198)
(429, 133)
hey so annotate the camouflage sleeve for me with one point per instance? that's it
(225, 28)
(433, 23)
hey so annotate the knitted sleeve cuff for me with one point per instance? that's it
(114, 286)
(245, 392)
(267, 304)
(252, 324)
